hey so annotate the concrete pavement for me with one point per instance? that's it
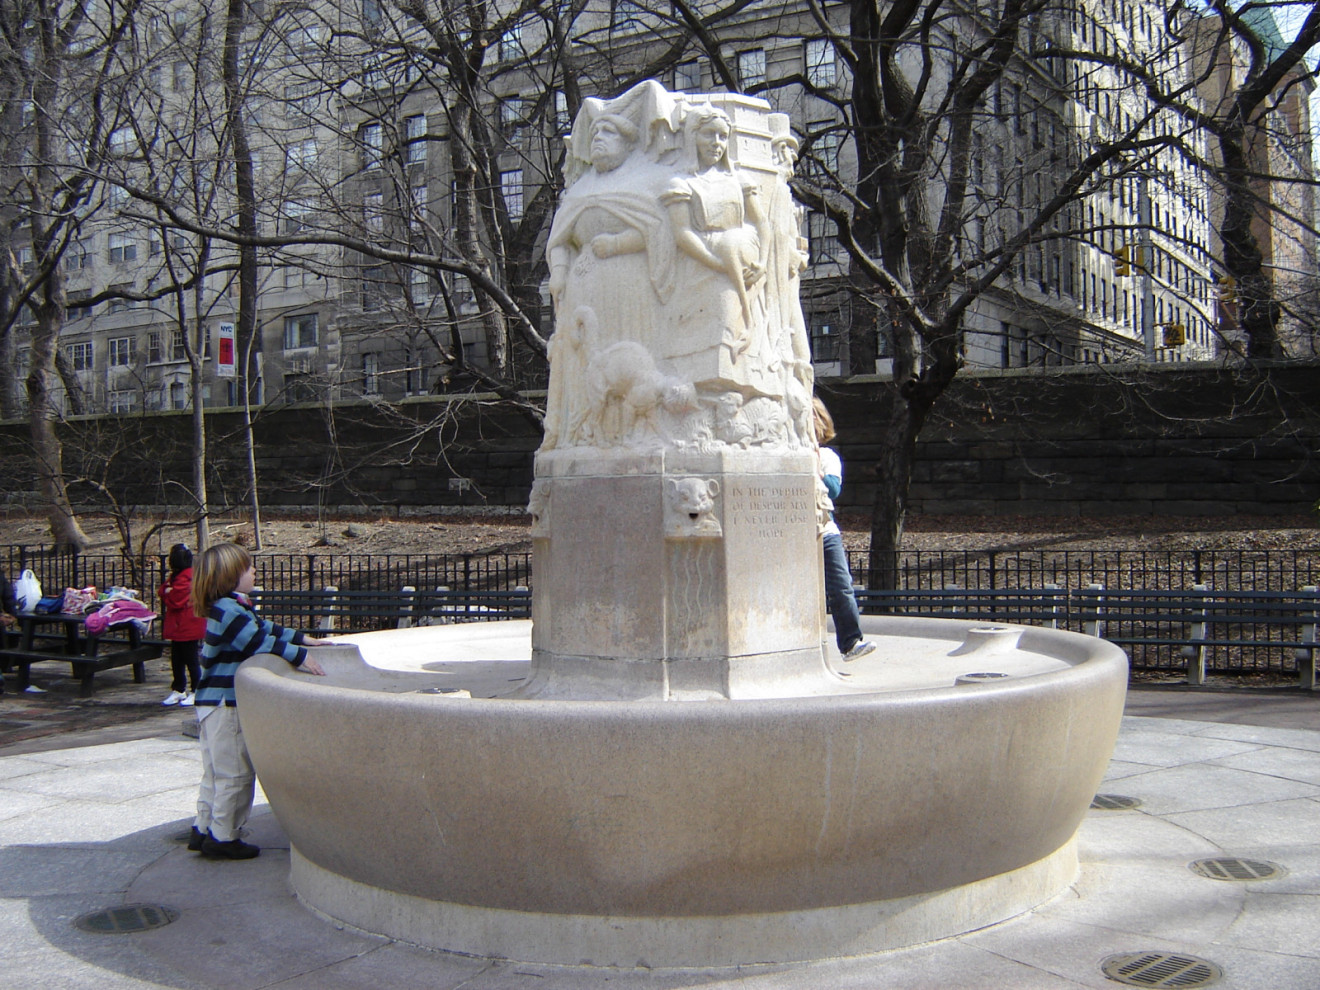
(92, 821)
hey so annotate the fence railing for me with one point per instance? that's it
(284, 572)
(1274, 569)
(1270, 569)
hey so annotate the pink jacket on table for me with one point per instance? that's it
(119, 611)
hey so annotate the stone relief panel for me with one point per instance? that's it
(690, 508)
(674, 260)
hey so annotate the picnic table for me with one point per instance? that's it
(86, 652)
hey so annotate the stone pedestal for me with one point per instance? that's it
(675, 574)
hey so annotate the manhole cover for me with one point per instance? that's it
(1115, 802)
(1160, 969)
(129, 918)
(1229, 868)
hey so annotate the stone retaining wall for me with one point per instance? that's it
(1175, 440)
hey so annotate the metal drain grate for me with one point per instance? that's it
(1115, 802)
(1229, 868)
(126, 919)
(1160, 969)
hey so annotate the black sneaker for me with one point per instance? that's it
(196, 839)
(233, 849)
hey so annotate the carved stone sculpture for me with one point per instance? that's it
(674, 545)
(674, 269)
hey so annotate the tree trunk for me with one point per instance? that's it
(898, 444)
(245, 193)
(43, 417)
(195, 352)
(1257, 310)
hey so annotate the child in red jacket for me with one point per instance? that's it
(183, 628)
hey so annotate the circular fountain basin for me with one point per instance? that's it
(893, 807)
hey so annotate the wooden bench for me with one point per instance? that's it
(1035, 606)
(332, 610)
(1199, 619)
(1192, 621)
(87, 654)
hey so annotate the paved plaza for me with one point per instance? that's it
(92, 820)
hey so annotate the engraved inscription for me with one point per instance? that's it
(770, 511)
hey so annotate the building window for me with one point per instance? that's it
(420, 199)
(513, 114)
(178, 396)
(419, 284)
(751, 68)
(122, 248)
(415, 373)
(154, 354)
(824, 339)
(511, 44)
(559, 117)
(373, 213)
(122, 142)
(687, 77)
(822, 240)
(370, 374)
(415, 133)
(372, 289)
(177, 350)
(123, 400)
(295, 215)
(299, 331)
(122, 351)
(81, 255)
(80, 356)
(301, 155)
(305, 39)
(370, 136)
(511, 187)
(371, 15)
(818, 56)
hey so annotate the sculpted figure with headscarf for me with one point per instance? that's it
(611, 260)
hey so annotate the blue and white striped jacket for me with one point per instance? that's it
(235, 632)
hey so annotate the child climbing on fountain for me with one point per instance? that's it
(223, 578)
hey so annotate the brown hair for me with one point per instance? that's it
(823, 421)
(216, 574)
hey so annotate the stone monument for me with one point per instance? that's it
(681, 779)
(675, 505)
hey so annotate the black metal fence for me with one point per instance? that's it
(1257, 570)
(1273, 569)
(1177, 570)
(284, 572)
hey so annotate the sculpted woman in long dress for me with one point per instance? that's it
(716, 217)
(611, 265)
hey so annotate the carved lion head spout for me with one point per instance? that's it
(690, 508)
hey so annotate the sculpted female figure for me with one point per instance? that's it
(718, 225)
(611, 263)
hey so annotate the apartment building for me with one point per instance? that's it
(365, 132)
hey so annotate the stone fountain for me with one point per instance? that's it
(678, 775)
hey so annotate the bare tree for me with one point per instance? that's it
(63, 84)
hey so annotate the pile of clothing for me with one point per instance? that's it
(112, 607)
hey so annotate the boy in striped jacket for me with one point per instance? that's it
(222, 580)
